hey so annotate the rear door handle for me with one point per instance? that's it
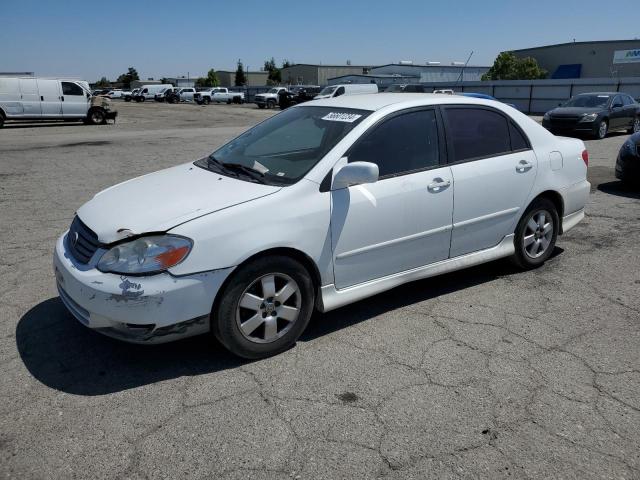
(523, 166)
(438, 185)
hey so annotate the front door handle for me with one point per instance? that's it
(62, 99)
(438, 185)
(523, 166)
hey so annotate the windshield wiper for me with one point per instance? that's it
(252, 172)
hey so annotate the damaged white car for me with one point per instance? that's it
(317, 207)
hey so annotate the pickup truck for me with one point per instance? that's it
(270, 98)
(218, 95)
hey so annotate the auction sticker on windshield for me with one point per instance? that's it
(341, 117)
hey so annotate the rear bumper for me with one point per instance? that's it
(152, 309)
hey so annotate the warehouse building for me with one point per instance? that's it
(407, 72)
(227, 78)
(598, 59)
(306, 74)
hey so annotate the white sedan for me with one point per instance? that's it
(317, 207)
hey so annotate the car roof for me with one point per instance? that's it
(377, 101)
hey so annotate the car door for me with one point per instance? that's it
(403, 220)
(629, 106)
(74, 100)
(50, 94)
(617, 114)
(493, 168)
(30, 98)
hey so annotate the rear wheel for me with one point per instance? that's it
(635, 128)
(536, 234)
(264, 308)
(206, 100)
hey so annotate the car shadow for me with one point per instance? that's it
(11, 126)
(64, 355)
(620, 189)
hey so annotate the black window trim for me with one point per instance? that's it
(510, 122)
(442, 148)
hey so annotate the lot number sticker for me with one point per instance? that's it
(341, 117)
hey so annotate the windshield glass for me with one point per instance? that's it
(588, 101)
(286, 146)
(273, 90)
(327, 90)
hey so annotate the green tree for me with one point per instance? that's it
(275, 75)
(212, 78)
(241, 78)
(509, 67)
(103, 83)
(286, 63)
(130, 76)
(201, 82)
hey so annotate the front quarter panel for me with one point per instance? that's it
(296, 217)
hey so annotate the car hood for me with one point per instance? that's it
(159, 201)
(572, 111)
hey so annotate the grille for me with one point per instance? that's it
(564, 121)
(81, 240)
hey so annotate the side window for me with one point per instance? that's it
(477, 133)
(627, 100)
(339, 92)
(69, 88)
(518, 140)
(617, 100)
(401, 144)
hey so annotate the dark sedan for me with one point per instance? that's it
(628, 162)
(594, 114)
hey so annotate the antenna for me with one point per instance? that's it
(461, 76)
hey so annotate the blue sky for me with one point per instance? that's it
(169, 38)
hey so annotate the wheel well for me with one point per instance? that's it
(297, 255)
(557, 200)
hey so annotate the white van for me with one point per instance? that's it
(31, 98)
(148, 92)
(347, 89)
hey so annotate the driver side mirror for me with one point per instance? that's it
(355, 173)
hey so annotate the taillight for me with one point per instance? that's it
(585, 157)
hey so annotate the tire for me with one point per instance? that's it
(635, 128)
(271, 104)
(265, 332)
(603, 129)
(142, 99)
(96, 116)
(206, 100)
(229, 102)
(535, 245)
(1, 120)
(127, 99)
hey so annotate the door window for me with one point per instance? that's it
(403, 143)
(627, 100)
(69, 88)
(339, 92)
(518, 140)
(477, 133)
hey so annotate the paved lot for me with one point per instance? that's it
(488, 373)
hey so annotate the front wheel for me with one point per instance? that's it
(635, 128)
(142, 99)
(206, 100)
(97, 116)
(603, 128)
(264, 308)
(536, 234)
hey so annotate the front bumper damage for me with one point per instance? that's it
(142, 309)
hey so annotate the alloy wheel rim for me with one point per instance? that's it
(603, 129)
(268, 308)
(538, 234)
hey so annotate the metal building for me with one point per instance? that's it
(598, 59)
(227, 78)
(306, 74)
(386, 75)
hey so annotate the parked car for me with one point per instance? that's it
(186, 94)
(348, 89)
(115, 93)
(161, 96)
(148, 92)
(406, 88)
(297, 94)
(100, 91)
(628, 161)
(132, 94)
(198, 251)
(595, 114)
(31, 98)
(485, 96)
(218, 95)
(268, 99)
